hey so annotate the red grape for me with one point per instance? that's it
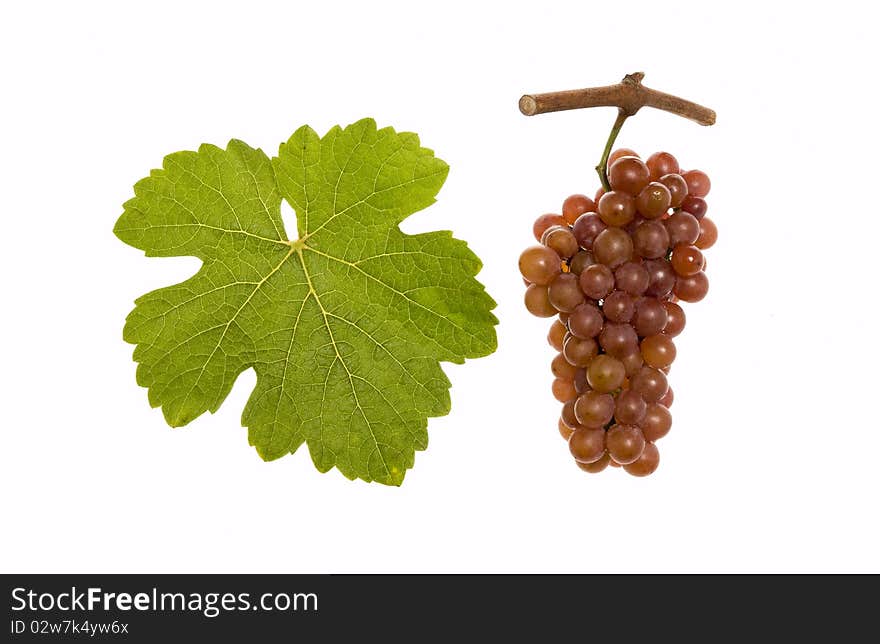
(576, 205)
(629, 174)
(662, 163)
(544, 222)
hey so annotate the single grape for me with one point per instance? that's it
(620, 153)
(650, 316)
(697, 206)
(650, 240)
(678, 188)
(561, 240)
(698, 182)
(650, 383)
(587, 444)
(537, 302)
(662, 163)
(587, 228)
(656, 422)
(647, 462)
(564, 430)
(683, 228)
(565, 292)
(708, 234)
(667, 398)
(563, 390)
(580, 381)
(624, 443)
(612, 247)
(576, 205)
(579, 351)
(632, 278)
(686, 260)
(585, 321)
(617, 208)
(562, 368)
(618, 340)
(599, 192)
(594, 409)
(654, 200)
(567, 415)
(629, 408)
(539, 264)
(596, 466)
(605, 373)
(658, 350)
(556, 334)
(629, 174)
(581, 260)
(675, 319)
(692, 288)
(544, 222)
(632, 362)
(661, 278)
(618, 307)
(596, 281)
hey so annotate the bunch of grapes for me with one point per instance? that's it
(613, 269)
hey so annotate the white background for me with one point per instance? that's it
(772, 462)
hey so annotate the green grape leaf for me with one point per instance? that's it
(345, 325)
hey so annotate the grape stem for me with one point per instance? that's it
(602, 168)
(629, 96)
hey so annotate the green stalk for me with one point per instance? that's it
(602, 168)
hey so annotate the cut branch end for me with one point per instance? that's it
(528, 105)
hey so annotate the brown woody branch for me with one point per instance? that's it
(629, 96)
